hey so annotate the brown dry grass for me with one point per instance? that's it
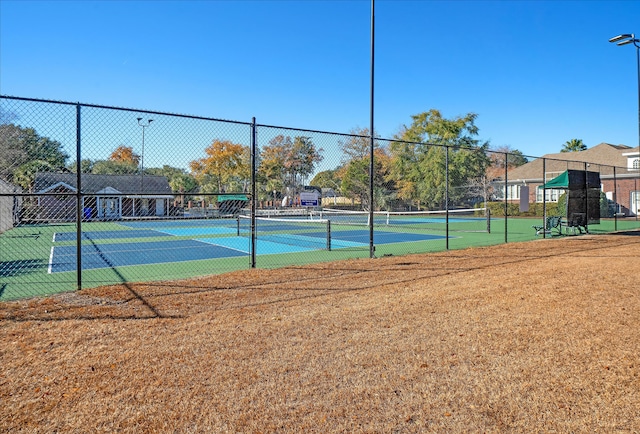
(528, 337)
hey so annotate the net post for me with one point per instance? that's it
(238, 225)
(329, 235)
(488, 214)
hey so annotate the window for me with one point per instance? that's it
(513, 192)
(636, 163)
(551, 195)
(635, 202)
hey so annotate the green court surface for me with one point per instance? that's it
(38, 260)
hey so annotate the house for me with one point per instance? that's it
(104, 197)
(614, 162)
(10, 204)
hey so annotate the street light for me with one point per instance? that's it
(626, 39)
(143, 125)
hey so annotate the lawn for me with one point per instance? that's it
(26, 252)
(539, 336)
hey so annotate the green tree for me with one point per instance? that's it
(20, 145)
(25, 175)
(183, 183)
(180, 181)
(86, 166)
(516, 158)
(327, 179)
(355, 180)
(420, 153)
(573, 145)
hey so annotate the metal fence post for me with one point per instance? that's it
(615, 200)
(372, 248)
(586, 195)
(506, 197)
(79, 209)
(544, 198)
(254, 200)
(446, 194)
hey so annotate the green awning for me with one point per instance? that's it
(560, 181)
(232, 197)
(574, 180)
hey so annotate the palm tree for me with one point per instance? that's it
(574, 145)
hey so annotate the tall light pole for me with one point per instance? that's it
(144, 125)
(371, 131)
(625, 39)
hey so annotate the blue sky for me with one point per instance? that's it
(537, 73)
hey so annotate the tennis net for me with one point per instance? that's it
(462, 220)
(315, 234)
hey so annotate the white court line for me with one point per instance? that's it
(200, 240)
(49, 268)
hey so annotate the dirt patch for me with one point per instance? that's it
(538, 336)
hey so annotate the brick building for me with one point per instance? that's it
(618, 165)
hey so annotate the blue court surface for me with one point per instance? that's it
(104, 235)
(207, 242)
(63, 258)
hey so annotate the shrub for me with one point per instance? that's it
(513, 209)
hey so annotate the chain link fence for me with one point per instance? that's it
(93, 195)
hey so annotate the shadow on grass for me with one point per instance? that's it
(309, 282)
(122, 279)
(635, 232)
(21, 267)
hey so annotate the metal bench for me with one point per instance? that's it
(552, 223)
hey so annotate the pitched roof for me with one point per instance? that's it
(601, 158)
(92, 183)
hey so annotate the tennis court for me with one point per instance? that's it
(42, 258)
(157, 242)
